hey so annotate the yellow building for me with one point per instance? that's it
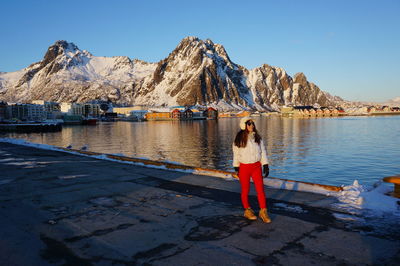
(126, 110)
(243, 114)
(158, 116)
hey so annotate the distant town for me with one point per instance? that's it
(47, 113)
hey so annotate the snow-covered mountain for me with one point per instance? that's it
(395, 100)
(196, 72)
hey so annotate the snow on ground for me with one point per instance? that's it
(352, 199)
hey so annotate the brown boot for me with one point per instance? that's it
(249, 214)
(264, 216)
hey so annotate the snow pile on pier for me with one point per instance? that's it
(357, 197)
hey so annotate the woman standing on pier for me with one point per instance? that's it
(248, 155)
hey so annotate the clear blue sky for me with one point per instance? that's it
(349, 48)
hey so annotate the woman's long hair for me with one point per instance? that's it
(242, 136)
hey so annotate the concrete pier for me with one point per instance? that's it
(62, 209)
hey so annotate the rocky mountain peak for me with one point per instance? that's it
(300, 78)
(395, 100)
(65, 45)
(187, 44)
(68, 54)
(59, 48)
(197, 49)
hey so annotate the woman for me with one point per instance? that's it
(248, 155)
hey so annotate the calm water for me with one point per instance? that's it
(332, 151)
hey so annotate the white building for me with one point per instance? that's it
(36, 112)
(72, 108)
(85, 109)
(52, 109)
(91, 109)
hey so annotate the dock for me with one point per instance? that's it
(58, 208)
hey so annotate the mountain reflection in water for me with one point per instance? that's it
(332, 151)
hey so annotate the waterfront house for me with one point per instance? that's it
(301, 111)
(211, 113)
(312, 112)
(319, 112)
(197, 114)
(326, 111)
(305, 112)
(176, 114)
(187, 114)
(334, 112)
(181, 114)
(309, 111)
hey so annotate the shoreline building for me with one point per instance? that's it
(84, 109)
(211, 113)
(138, 115)
(52, 109)
(25, 112)
(309, 111)
(3, 110)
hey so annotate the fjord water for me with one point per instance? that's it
(333, 151)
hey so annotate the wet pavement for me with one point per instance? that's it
(58, 208)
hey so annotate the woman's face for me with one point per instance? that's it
(250, 126)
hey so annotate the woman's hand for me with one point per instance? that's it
(266, 170)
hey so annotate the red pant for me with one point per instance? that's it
(245, 172)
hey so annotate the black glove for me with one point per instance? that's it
(266, 170)
(236, 169)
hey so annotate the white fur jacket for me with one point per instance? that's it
(252, 153)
